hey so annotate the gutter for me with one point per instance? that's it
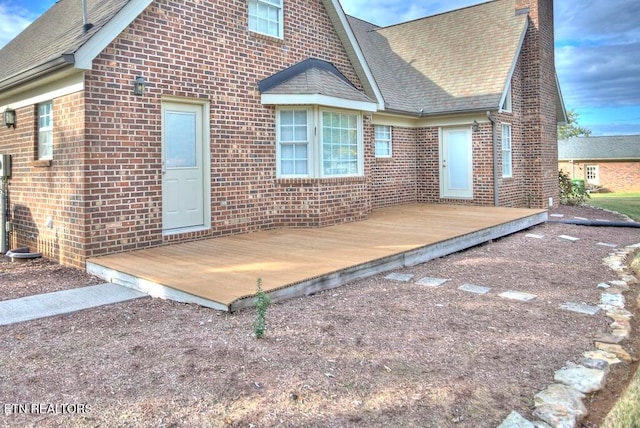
(496, 194)
(38, 71)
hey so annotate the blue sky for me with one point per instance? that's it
(597, 49)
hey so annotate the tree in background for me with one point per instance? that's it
(572, 128)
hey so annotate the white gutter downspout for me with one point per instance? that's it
(496, 195)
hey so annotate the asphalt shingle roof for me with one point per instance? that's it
(455, 61)
(57, 33)
(312, 76)
(600, 148)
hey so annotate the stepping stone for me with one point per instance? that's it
(581, 218)
(568, 238)
(581, 378)
(402, 277)
(516, 295)
(605, 244)
(580, 308)
(477, 289)
(431, 282)
(557, 215)
(516, 420)
(533, 235)
(605, 221)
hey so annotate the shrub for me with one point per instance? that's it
(262, 302)
(571, 193)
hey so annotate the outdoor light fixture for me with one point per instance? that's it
(9, 118)
(475, 126)
(138, 87)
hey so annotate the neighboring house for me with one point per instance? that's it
(604, 163)
(257, 114)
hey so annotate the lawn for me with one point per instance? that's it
(625, 203)
(627, 410)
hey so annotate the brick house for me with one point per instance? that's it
(141, 123)
(605, 163)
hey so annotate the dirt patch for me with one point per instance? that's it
(375, 352)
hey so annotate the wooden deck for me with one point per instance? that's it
(221, 273)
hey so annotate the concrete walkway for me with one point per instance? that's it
(64, 302)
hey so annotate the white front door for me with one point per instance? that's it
(456, 163)
(182, 167)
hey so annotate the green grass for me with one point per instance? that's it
(626, 411)
(625, 203)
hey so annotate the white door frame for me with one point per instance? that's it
(456, 162)
(204, 153)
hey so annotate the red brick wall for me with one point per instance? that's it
(539, 106)
(42, 190)
(202, 51)
(613, 176)
(393, 180)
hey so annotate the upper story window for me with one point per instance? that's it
(316, 143)
(507, 164)
(506, 105)
(382, 141)
(265, 17)
(45, 130)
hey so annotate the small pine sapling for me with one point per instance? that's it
(262, 302)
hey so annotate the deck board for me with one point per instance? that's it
(224, 270)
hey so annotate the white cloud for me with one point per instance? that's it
(12, 21)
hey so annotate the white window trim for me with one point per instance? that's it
(48, 129)
(596, 171)
(314, 129)
(507, 105)
(510, 150)
(389, 142)
(280, 34)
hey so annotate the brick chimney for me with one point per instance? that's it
(539, 109)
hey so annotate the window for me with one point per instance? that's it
(316, 143)
(592, 174)
(265, 16)
(382, 141)
(339, 144)
(293, 136)
(45, 130)
(507, 168)
(506, 106)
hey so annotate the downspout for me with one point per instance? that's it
(496, 195)
(4, 245)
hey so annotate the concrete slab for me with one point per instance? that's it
(64, 302)
(517, 295)
(568, 238)
(580, 308)
(477, 289)
(402, 277)
(431, 282)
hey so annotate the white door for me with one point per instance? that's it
(182, 167)
(456, 163)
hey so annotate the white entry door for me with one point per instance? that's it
(182, 167)
(456, 163)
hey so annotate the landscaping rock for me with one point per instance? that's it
(615, 300)
(602, 355)
(516, 420)
(581, 378)
(595, 364)
(616, 350)
(560, 406)
(608, 338)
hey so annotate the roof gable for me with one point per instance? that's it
(58, 38)
(456, 61)
(621, 147)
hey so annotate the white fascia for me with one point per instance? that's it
(317, 99)
(505, 90)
